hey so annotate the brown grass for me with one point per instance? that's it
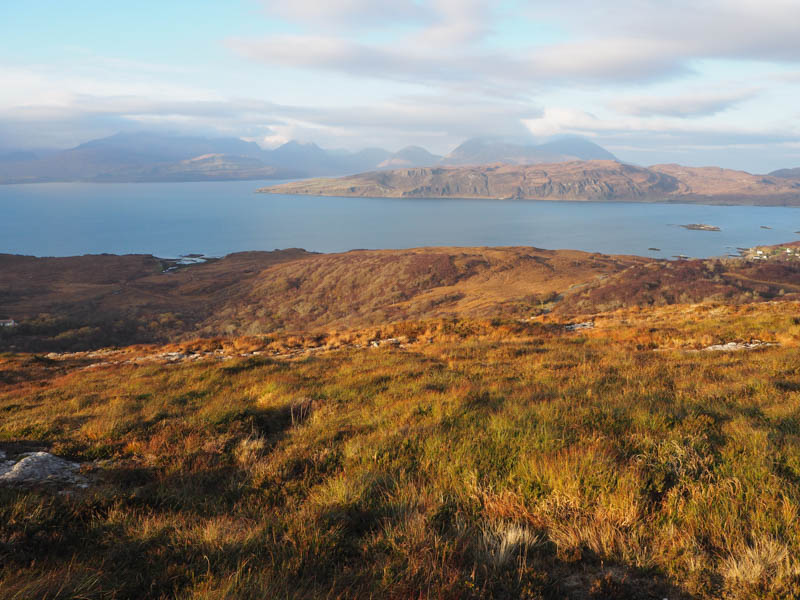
(492, 459)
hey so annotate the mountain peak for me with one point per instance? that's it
(296, 144)
(488, 150)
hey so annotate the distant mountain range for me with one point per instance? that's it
(595, 180)
(143, 156)
(153, 157)
(140, 157)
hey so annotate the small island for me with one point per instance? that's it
(700, 227)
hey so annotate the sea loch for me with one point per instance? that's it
(217, 218)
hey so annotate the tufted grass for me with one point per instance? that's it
(498, 460)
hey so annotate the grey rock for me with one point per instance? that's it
(40, 467)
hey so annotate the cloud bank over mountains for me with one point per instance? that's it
(703, 82)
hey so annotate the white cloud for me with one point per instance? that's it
(353, 73)
(665, 139)
(609, 42)
(697, 104)
(345, 13)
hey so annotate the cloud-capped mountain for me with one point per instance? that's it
(310, 159)
(410, 156)
(482, 151)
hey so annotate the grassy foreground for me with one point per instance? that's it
(487, 460)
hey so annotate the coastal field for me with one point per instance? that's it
(448, 458)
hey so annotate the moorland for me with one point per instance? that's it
(427, 423)
(86, 302)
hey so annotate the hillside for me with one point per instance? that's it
(69, 301)
(595, 180)
(458, 459)
(471, 422)
(92, 301)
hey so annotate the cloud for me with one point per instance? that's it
(346, 13)
(657, 133)
(735, 29)
(699, 104)
(608, 42)
(432, 120)
(355, 73)
(483, 71)
(651, 140)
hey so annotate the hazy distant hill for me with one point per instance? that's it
(17, 156)
(484, 151)
(142, 157)
(146, 156)
(154, 157)
(207, 167)
(150, 147)
(310, 159)
(599, 180)
(787, 173)
(410, 156)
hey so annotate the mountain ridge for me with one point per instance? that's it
(145, 156)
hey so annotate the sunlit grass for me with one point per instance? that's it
(495, 460)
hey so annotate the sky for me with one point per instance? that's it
(697, 82)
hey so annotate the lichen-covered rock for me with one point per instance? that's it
(40, 467)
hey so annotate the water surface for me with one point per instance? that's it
(216, 218)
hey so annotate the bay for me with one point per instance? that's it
(217, 218)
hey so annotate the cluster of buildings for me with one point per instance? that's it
(782, 253)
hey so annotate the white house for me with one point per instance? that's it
(8, 323)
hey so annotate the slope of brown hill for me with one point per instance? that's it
(597, 180)
(685, 282)
(92, 301)
(95, 300)
(371, 287)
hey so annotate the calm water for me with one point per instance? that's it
(170, 219)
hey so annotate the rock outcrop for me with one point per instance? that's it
(39, 468)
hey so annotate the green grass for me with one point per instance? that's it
(520, 463)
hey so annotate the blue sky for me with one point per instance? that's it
(697, 82)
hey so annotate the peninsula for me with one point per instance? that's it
(591, 181)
